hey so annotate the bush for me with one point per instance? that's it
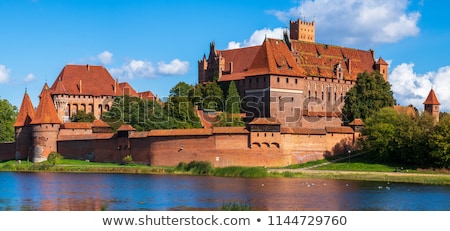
(54, 158)
(196, 167)
(128, 159)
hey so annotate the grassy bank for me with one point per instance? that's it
(355, 169)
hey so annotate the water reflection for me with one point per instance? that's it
(87, 192)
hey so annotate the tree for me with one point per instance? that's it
(82, 116)
(8, 115)
(440, 143)
(212, 96)
(233, 101)
(370, 93)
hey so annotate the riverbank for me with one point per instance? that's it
(315, 170)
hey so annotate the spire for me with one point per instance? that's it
(46, 111)
(431, 99)
(26, 112)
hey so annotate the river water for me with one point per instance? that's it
(120, 192)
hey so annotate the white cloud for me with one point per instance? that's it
(258, 37)
(30, 77)
(4, 74)
(176, 67)
(105, 57)
(356, 22)
(146, 69)
(412, 88)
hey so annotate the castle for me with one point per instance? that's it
(293, 89)
(297, 81)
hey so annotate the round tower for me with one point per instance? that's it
(46, 125)
(23, 129)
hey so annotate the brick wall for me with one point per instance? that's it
(7, 151)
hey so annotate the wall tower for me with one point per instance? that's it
(23, 129)
(45, 125)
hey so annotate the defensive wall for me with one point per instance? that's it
(222, 146)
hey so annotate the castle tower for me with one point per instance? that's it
(45, 125)
(382, 67)
(432, 105)
(23, 129)
(303, 30)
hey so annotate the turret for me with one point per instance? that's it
(432, 105)
(23, 129)
(45, 125)
(382, 67)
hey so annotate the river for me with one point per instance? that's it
(135, 192)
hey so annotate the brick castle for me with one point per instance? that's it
(293, 89)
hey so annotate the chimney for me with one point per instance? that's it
(349, 65)
(115, 86)
(88, 67)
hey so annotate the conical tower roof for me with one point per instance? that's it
(26, 112)
(46, 111)
(431, 99)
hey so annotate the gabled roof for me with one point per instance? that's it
(274, 57)
(46, 111)
(432, 99)
(85, 80)
(26, 112)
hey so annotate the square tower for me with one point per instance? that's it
(303, 30)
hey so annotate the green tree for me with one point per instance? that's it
(369, 95)
(212, 96)
(233, 101)
(8, 115)
(82, 116)
(379, 134)
(440, 143)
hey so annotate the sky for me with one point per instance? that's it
(155, 44)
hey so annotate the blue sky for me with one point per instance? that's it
(155, 44)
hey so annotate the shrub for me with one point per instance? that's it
(54, 158)
(196, 167)
(128, 159)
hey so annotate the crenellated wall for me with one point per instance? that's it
(221, 148)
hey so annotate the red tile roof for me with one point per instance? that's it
(94, 136)
(265, 121)
(432, 99)
(274, 57)
(241, 58)
(181, 132)
(343, 130)
(26, 112)
(303, 131)
(127, 89)
(85, 80)
(230, 130)
(46, 111)
(77, 125)
(320, 59)
(356, 122)
(126, 127)
(100, 123)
